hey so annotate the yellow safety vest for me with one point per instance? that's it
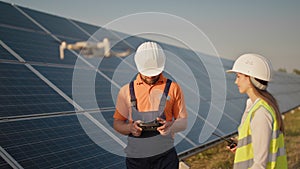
(244, 153)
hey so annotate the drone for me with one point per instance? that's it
(92, 49)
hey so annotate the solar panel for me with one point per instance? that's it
(34, 46)
(5, 55)
(54, 142)
(58, 113)
(90, 29)
(4, 164)
(285, 88)
(23, 93)
(58, 26)
(10, 17)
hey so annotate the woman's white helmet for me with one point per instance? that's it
(255, 66)
(150, 59)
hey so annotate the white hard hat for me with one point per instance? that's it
(253, 65)
(150, 59)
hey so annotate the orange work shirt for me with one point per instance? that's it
(148, 99)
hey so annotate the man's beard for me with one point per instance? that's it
(150, 81)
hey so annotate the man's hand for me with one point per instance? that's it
(127, 128)
(135, 130)
(165, 128)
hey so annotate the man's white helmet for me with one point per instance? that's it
(150, 59)
(253, 65)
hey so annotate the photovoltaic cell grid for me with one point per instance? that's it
(38, 124)
(5, 55)
(54, 142)
(4, 164)
(23, 93)
(14, 19)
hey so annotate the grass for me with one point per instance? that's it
(292, 139)
(219, 157)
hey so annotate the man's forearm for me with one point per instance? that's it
(179, 125)
(122, 127)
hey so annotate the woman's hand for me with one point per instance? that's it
(232, 149)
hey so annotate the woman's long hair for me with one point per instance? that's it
(268, 97)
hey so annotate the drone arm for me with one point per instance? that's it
(121, 54)
(106, 46)
(62, 47)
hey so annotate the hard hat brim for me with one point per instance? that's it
(230, 71)
(151, 72)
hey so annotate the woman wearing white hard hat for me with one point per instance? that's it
(150, 110)
(260, 140)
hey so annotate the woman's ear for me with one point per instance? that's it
(248, 81)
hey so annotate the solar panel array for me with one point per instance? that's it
(40, 126)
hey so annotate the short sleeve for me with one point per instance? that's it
(179, 108)
(122, 104)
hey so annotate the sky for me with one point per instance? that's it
(269, 28)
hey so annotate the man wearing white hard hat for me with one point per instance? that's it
(260, 140)
(150, 110)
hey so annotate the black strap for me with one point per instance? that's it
(133, 97)
(164, 99)
(167, 87)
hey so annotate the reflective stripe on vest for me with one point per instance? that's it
(244, 153)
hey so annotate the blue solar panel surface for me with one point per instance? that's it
(4, 164)
(57, 142)
(56, 25)
(23, 93)
(10, 17)
(4, 54)
(39, 94)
